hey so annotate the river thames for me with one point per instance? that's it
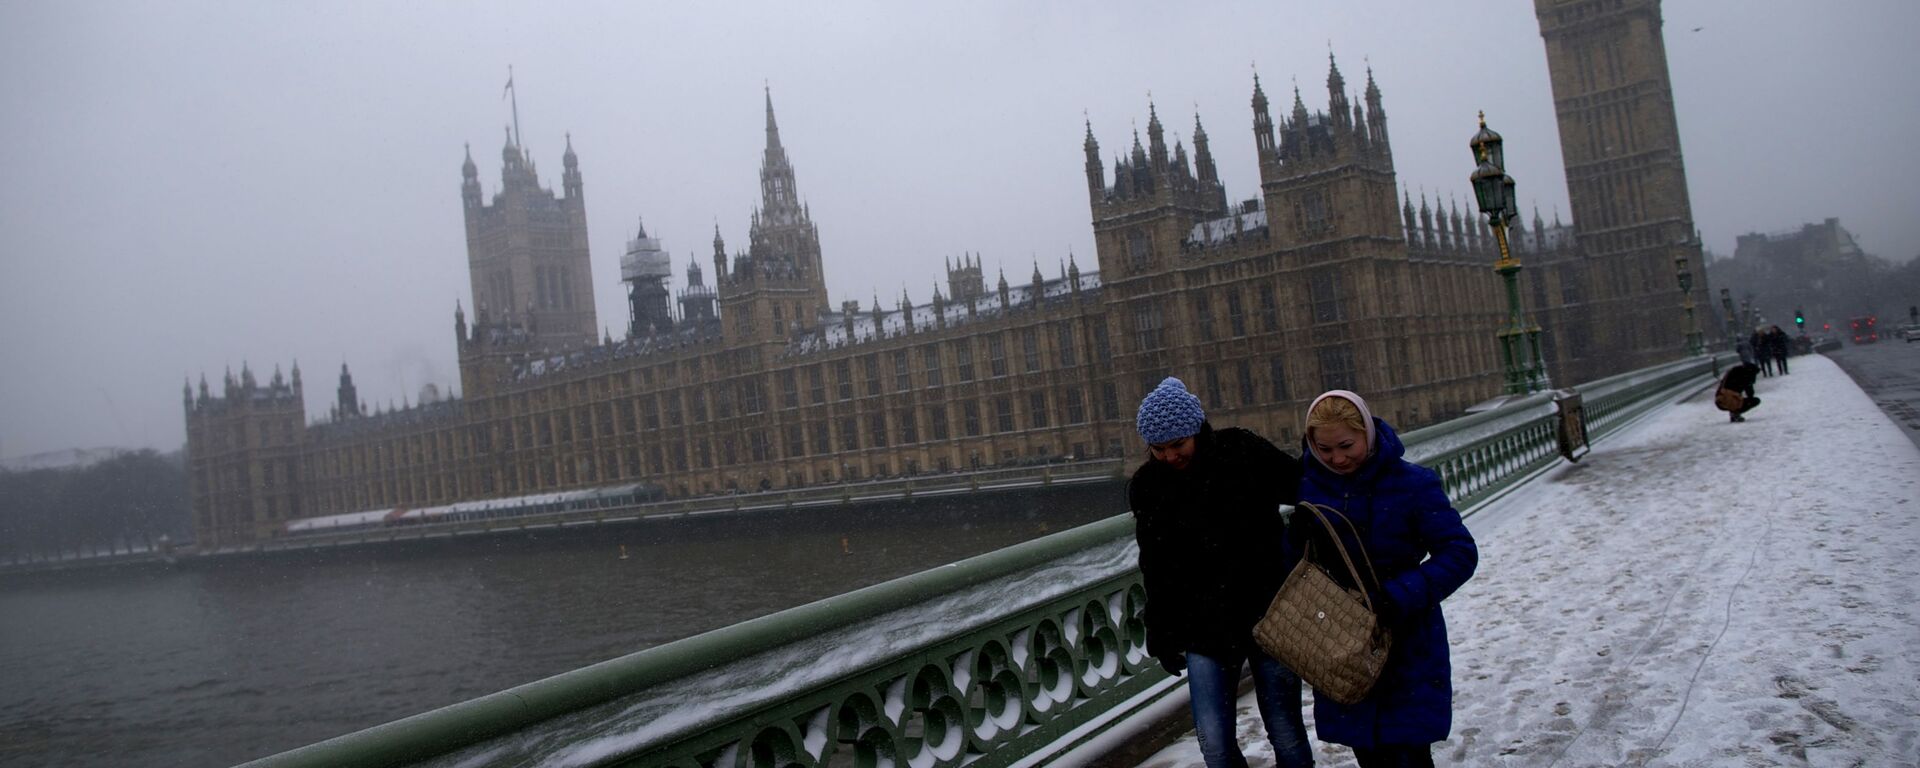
(217, 662)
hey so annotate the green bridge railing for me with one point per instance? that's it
(1480, 455)
(1005, 659)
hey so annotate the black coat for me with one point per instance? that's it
(1212, 542)
(1777, 343)
(1740, 378)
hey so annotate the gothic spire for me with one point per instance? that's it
(470, 183)
(1262, 122)
(1406, 216)
(1157, 139)
(570, 176)
(779, 199)
(1376, 117)
(1096, 173)
(1143, 175)
(773, 127)
(1202, 156)
(1337, 107)
(1373, 94)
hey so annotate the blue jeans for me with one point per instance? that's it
(1214, 683)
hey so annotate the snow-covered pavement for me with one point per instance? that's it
(1693, 593)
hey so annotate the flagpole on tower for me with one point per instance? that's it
(516, 107)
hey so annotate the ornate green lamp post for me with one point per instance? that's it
(1686, 290)
(1493, 190)
(1726, 301)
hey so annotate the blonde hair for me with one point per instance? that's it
(1335, 411)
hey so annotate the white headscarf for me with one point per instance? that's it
(1366, 416)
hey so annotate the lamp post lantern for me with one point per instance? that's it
(1493, 191)
(1686, 291)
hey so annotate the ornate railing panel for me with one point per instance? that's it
(993, 661)
(1479, 455)
(979, 662)
(1614, 401)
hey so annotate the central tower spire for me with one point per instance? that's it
(779, 200)
(783, 250)
(773, 127)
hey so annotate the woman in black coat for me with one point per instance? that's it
(1206, 515)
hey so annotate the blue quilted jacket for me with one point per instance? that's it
(1422, 553)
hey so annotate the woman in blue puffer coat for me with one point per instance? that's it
(1420, 551)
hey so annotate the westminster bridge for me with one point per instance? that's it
(1030, 654)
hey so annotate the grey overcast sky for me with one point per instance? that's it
(191, 185)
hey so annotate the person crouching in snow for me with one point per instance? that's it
(1206, 514)
(1736, 391)
(1421, 553)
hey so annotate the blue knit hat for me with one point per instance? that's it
(1169, 413)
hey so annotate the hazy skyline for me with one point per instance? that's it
(194, 185)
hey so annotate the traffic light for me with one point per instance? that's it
(1799, 320)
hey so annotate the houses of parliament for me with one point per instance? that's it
(750, 379)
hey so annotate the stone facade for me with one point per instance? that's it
(1615, 301)
(247, 455)
(1328, 278)
(527, 249)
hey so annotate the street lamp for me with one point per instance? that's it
(1493, 190)
(1726, 301)
(1686, 290)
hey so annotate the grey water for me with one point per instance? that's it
(209, 663)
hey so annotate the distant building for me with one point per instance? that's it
(1329, 278)
(1818, 269)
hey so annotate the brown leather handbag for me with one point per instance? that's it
(1728, 400)
(1329, 635)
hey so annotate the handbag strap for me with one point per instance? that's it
(1321, 512)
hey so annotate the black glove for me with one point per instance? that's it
(1174, 664)
(1386, 609)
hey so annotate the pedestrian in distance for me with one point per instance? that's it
(1778, 342)
(1748, 355)
(1735, 395)
(1206, 509)
(1420, 551)
(1762, 352)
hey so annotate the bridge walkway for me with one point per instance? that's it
(1693, 592)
